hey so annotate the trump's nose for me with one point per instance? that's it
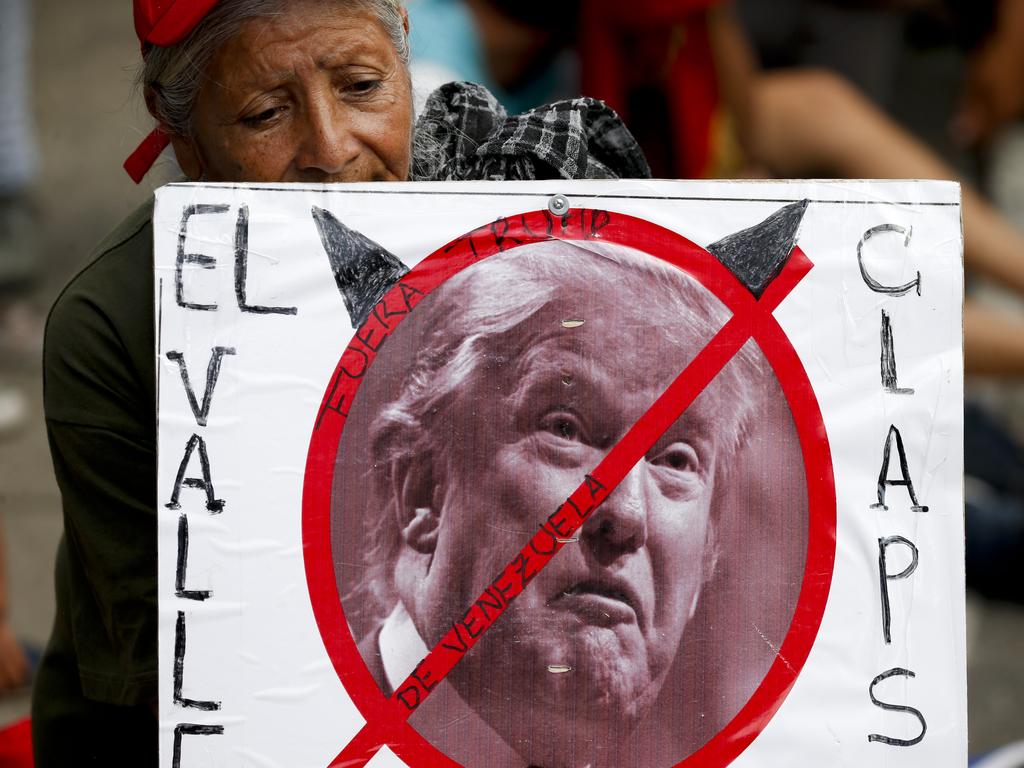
(619, 525)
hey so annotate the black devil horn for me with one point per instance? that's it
(363, 269)
(757, 255)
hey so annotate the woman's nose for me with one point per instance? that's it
(619, 526)
(328, 147)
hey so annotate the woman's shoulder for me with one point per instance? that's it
(122, 258)
(118, 255)
(99, 334)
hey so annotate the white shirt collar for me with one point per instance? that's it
(401, 647)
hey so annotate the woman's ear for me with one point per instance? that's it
(414, 494)
(185, 148)
(710, 563)
(190, 160)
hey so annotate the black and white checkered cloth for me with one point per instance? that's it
(464, 134)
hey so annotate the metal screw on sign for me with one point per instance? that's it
(559, 205)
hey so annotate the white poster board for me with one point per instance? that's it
(712, 431)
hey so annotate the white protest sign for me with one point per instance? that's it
(561, 474)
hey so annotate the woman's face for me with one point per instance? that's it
(316, 94)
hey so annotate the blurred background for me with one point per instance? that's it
(835, 88)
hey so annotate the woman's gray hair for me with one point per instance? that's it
(175, 74)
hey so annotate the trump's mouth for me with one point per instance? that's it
(604, 601)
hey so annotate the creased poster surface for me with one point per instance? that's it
(561, 474)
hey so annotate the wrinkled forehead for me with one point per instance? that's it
(659, 309)
(607, 316)
(608, 300)
(592, 280)
(623, 336)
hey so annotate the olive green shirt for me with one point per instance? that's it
(97, 681)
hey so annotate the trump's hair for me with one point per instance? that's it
(477, 325)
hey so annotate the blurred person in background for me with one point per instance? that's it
(17, 152)
(17, 170)
(17, 165)
(14, 663)
(815, 121)
(992, 34)
(809, 121)
(520, 50)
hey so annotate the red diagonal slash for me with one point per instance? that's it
(571, 515)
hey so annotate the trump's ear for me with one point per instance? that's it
(710, 564)
(414, 494)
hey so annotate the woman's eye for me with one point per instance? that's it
(679, 457)
(562, 425)
(261, 118)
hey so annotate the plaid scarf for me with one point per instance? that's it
(464, 134)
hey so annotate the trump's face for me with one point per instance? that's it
(599, 627)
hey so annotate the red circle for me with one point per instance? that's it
(578, 224)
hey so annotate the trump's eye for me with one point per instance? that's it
(562, 424)
(680, 457)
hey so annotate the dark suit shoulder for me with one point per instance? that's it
(369, 649)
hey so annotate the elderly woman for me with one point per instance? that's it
(244, 90)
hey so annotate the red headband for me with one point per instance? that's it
(163, 23)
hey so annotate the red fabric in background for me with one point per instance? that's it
(16, 745)
(612, 30)
(647, 13)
